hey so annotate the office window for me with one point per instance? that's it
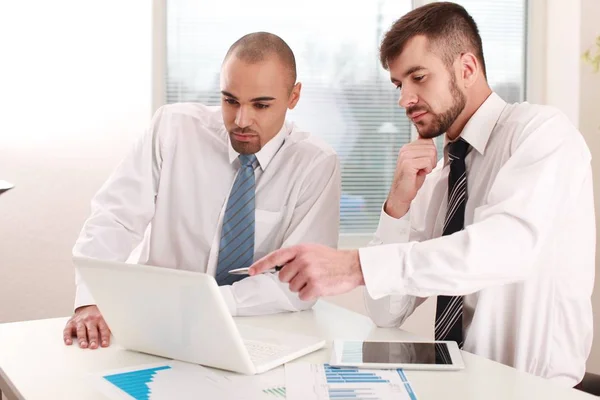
(502, 25)
(347, 98)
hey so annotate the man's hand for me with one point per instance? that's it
(314, 270)
(90, 328)
(415, 161)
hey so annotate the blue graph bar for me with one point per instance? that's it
(135, 383)
(351, 375)
(356, 394)
(335, 375)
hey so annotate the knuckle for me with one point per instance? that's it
(403, 154)
(407, 147)
(317, 283)
(306, 275)
(303, 260)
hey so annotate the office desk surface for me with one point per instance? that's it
(35, 364)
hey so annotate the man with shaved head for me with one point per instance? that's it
(212, 189)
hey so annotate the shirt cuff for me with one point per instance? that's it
(393, 230)
(83, 297)
(383, 269)
(229, 299)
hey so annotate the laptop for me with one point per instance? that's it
(181, 315)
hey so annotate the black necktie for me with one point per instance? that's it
(448, 315)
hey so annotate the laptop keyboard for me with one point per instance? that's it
(261, 350)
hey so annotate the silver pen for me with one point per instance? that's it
(244, 271)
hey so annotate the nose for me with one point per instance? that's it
(407, 99)
(243, 117)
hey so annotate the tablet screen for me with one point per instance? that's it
(395, 353)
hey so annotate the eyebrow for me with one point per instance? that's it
(408, 72)
(262, 98)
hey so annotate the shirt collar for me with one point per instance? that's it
(478, 129)
(267, 152)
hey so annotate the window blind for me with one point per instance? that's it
(347, 98)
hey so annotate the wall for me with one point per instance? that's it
(589, 124)
(563, 56)
(75, 82)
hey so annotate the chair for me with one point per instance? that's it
(590, 384)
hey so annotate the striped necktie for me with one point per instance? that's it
(236, 249)
(448, 316)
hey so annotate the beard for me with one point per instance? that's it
(443, 121)
(252, 146)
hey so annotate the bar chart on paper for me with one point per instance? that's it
(136, 383)
(323, 382)
(278, 392)
(185, 381)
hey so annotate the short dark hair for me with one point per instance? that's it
(448, 27)
(258, 46)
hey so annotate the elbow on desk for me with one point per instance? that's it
(386, 321)
(300, 305)
(386, 313)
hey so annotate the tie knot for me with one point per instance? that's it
(458, 149)
(247, 160)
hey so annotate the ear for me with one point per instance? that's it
(294, 96)
(470, 69)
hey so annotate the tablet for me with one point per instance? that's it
(438, 355)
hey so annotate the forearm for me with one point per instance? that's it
(262, 294)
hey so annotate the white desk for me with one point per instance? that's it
(35, 364)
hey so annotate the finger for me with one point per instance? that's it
(309, 292)
(82, 335)
(92, 332)
(104, 333)
(423, 141)
(68, 333)
(418, 153)
(420, 143)
(278, 257)
(421, 163)
(297, 282)
(419, 148)
(287, 273)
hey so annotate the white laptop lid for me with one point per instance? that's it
(166, 312)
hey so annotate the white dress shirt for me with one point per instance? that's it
(170, 193)
(525, 260)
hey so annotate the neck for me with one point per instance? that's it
(473, 103)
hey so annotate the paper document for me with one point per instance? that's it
(271, 382)
(322, 382)
(179, 380)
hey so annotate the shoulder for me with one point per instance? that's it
(305, 146)
(549, 127)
